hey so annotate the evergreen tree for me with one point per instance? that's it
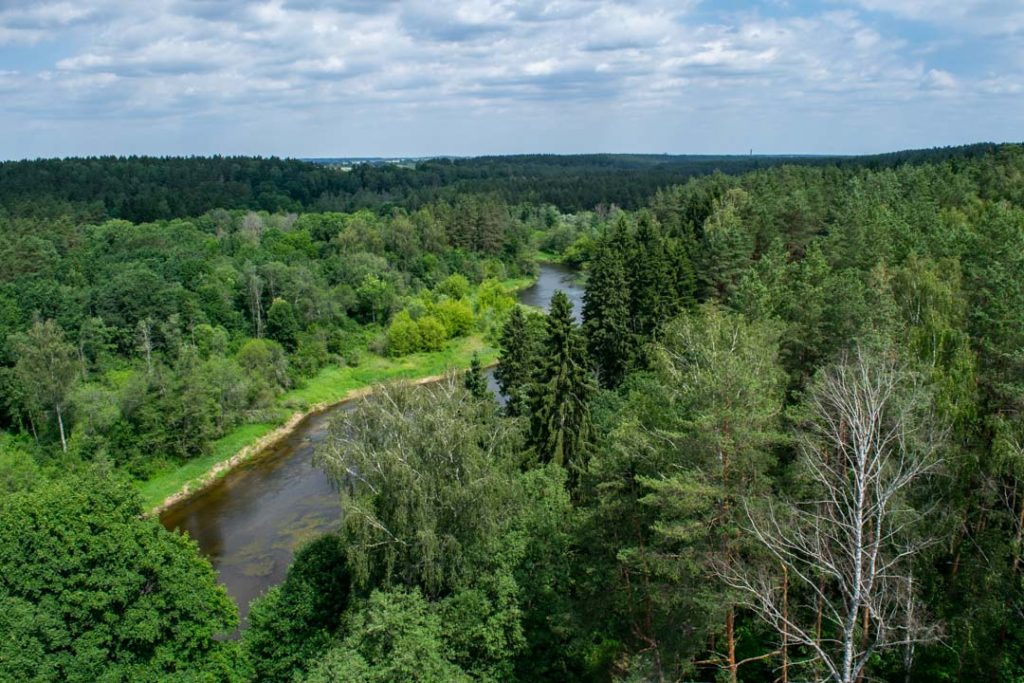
(560, 399)
(474, 380)
(651, 282)
(515, 362)
(727, 247)
(680, 257)
(606, 316)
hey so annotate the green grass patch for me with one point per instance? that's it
(330, 385)
(549, 257)
(516, 284)
(157, 488)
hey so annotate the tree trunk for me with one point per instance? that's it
(60, 423)
(785, 621)
(730, 633)
(1020, 532)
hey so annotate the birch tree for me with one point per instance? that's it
(850, 541)
(46, 369)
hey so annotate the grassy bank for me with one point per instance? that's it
(331, 385)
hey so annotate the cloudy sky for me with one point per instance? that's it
(431, 77)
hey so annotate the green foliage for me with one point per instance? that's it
(282, 326)
(403, 335)
(455, 315)
(45, 369)
(606, 316)
(454, 286)
(432, 333)
(92, 592)
(459, 556)
(474, 379)
(561, 393)
(436, 485)
(295, 622)
(519, 355)
(18, 469)
(395, 637)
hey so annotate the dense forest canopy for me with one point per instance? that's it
(783, 443)
(141, 189)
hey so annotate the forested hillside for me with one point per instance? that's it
(784, 443)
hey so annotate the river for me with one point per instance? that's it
(250, 521)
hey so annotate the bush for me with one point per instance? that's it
(433, 334)
(456, 316)
(403, 335)
(454, 286)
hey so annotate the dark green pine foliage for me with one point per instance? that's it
(652, 285)
(560, 424)
(515, 362)
(474, 380)
(606, 324)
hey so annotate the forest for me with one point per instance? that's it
(783, 441)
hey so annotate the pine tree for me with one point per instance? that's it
(515, 362)
(560, 398)
(606, 316)
(474, 380)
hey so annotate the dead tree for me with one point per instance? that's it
(850, 543)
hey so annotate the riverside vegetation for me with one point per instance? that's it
(783, 443)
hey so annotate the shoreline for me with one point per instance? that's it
(255, 449)
(264, 444)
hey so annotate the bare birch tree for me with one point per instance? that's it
(850, 543)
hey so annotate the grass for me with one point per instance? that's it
(330, 385)
(516, 284)
(549, 257)
(157, 488)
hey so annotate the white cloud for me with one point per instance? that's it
(990, 17)
(507, 62)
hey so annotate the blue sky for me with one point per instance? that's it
(433, 77)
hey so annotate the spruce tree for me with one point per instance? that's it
(474, 380)
(515, 362)
(652, 295)
(560, 397)
(606, 316)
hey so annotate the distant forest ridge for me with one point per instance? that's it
(142, 189)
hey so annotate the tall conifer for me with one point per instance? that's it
(606, 316)
(560, 417)
(515, 362)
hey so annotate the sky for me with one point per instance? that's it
(316, 78)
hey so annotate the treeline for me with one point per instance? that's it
(144, 189)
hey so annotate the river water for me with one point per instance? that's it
(250, 522)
